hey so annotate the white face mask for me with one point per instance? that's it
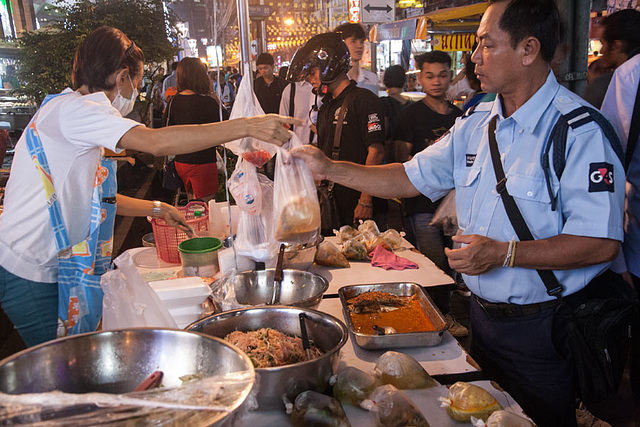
(122, 104)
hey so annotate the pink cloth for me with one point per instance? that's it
(380, 257)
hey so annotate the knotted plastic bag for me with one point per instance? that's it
(353, 385)
(313, 409)
(329, 255)
(246, 104)
(392, 407)
(402, 371)
(467, 400)
(502, 419)
(296, 206)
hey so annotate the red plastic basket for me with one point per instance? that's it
(168, 238)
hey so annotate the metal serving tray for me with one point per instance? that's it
(399, 340)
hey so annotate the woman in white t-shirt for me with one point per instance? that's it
(73, 128)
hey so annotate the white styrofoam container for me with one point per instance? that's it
(186, 315)
(183, 292)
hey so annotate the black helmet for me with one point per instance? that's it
(327, 52)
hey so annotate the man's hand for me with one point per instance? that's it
(479, 256)
(271, 128)
(174, 218)
(318, 163)
(362, 213)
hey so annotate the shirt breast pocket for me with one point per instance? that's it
(467, 180)
(532, 197)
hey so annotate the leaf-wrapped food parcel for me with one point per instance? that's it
(353, 385)
(392, 408)
(466, 400)
(402, 371)
(313, 409)
(329, 255)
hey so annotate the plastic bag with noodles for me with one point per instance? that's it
(346, 232)
(402, 371)
(296, 206)
(313, 409)
(467, 400)
(246, 104)
(353, 385)
(502, 419)
(392, 408)
(255, 232)
(329, 255)
(356, 250)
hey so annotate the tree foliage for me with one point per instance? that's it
(45, 58)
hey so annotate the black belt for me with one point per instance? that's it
(503, 309)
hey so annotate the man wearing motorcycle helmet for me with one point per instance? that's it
(324, 60)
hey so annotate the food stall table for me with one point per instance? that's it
(361, 272)
(426, 400)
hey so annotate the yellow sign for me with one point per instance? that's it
(453, 42)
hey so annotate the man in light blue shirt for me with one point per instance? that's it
(516, 338)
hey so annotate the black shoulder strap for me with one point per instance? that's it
(558, 140)
(634, 131)
(554, 288)
(292, 97)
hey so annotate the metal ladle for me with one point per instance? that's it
(277, 277)
(384, 330)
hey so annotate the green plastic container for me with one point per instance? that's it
(199, 256)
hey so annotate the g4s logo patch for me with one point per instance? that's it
(601, 177)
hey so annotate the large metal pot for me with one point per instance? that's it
(298, 288)
(118, 361)
(278, 383)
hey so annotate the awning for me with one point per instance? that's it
(462, 19)
(460, 12)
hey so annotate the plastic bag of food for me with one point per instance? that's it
(378, 241)
(502, 419)
(393, 238)
(246, 104)
(346, 232)
(329, 255)
(296, 206)
(445, 216)
(467, 400)
(354, 249)
(392, 407)
(313, 409)
(353, 385)
(368, 226)
(244, 186)
(402, 371)
(255, 232)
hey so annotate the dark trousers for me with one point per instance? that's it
(529, 357)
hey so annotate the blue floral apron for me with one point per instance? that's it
(80, 266)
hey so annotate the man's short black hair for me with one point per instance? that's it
(623, 25)
(351, 30)
(433, 57)
(265, 59)
(537, 18)
(174, 66)
(394, 76)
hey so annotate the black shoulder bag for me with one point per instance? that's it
(170, 179)
(329, 214)
(600, 329)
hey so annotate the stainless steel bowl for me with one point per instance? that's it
(300, 257)
(274, 384)
(118, 361)
(298, 288)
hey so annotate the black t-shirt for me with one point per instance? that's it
(363, 125)
(193, 110)
(269, 95)
(420, 126)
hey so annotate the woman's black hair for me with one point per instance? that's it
(537, 18)
(191, 74)
(623, 25)
(103, 52)
(394, 76)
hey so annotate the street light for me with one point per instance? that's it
(289, 21)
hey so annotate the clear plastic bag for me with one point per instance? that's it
(329, 255)
(368, 227)
(502, 419)
(468, 400)
(356, 250)
(392, 408)
(353, 385)
(244, 186)
(246, 104)
(378, 241)
(402, 371)
(255, 232)
(393, 238)
(197, 402)
(296, 206)
(313, 409)
(346, 232)
(445, 216)
(129, 301)
(223, 292)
